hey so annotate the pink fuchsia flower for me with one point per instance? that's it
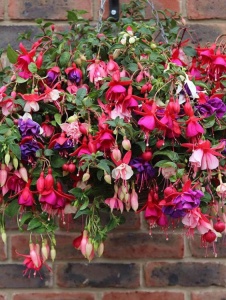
(114, 203)
(97, 72)
(24, 60)
(195, 219)
(203, 155)
(33, 261)
(26, 198)
(123, 170)
(72, 130)
(193, 128)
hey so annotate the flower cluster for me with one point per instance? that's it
(93, 122)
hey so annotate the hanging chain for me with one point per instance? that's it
(101, 13)
(155, 14)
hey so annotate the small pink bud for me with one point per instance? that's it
(3, 175)
(134, 200)
(116, 154)
(23, 173)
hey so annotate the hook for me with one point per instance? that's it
(114, 9)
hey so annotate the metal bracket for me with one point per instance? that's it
(114, 9)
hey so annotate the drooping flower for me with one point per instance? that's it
(123, 170)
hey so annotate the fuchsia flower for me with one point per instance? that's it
(97, 72)
(203, 155)
(114, 203)
(123, 170)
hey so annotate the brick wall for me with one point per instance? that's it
(135, 265)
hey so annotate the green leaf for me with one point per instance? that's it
(32, 68)
(12, 209)
(9, 122)
(77, 192)
(82, 212)
(11, 54)
(34, 223)
(165, 164)
(26, 216)
(21, 80)
(209, 122)
(81, 93)
(57, 118)
(189, 51)
(103, 166)
(48, 152)
(85, 204)
(16, 150)
(207, 197)
(171, 154)
(64, 59)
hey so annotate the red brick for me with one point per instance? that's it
(133, 245)
(53, 296)
(3, 297)
(98, 275)
(19, 243)
(52, 10)
(3, 251)
(205, 33)
(216, 295)
(143, 296)
(1, 9)
(202, 9)
(187, 274)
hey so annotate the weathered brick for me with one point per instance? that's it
(143, 296)
(198, 250)
(1, 9)
(3, 297)
(53, 296)
(99, 275)
(205, 33)
(20, 244)
(133, 245)
(3, 250)
(193, 274)
(202, 9)
(11, 276)
(11, 223)
(52, 10)
(9, 35)
(214, 295)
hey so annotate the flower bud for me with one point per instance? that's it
(7, 158)
(134, 200)
(72, 119)
(23, 173)
(126, 144)
(85, 177)
(53, 253)
(3, 236)
(45, 250)
(15, 162)
(132, 40)
(3, 175)
(123, 41)
(107, 178)
(100, 249)
(116, 154)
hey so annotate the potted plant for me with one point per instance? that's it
(100, 120)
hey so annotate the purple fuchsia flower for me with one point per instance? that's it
(144, 171)
(52, 75)
(28, 127)
(28, 150)
(74, 74)
(182, 203)
(213, 105)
